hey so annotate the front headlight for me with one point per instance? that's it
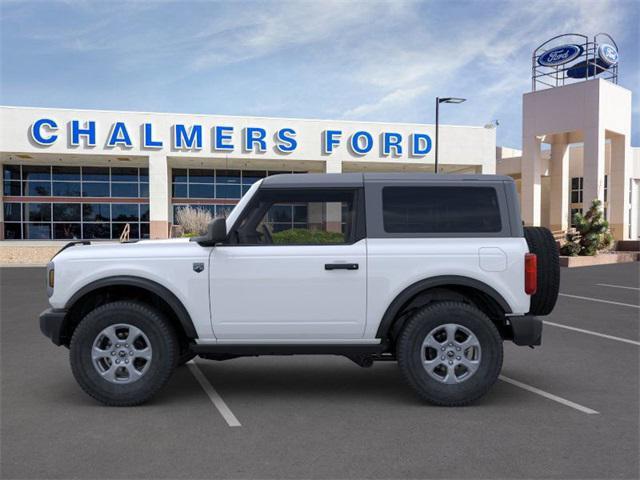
(51, 276)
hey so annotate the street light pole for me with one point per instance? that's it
(437, 128)
(438, 102)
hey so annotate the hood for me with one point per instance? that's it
(173, 247)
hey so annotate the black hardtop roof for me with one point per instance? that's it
(345, 180)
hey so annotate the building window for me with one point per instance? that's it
(576, 189)
(63, 213)
(205, 187)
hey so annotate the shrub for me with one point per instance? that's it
(591, 235)
(300, 236)
(194, 221)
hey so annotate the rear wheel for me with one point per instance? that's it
(450, 353)
(122, 353)
(541, 242)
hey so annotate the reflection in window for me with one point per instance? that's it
(302, 218)
(66, 212)
(66, 189)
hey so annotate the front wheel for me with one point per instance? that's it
(450, 353)
(123, 352)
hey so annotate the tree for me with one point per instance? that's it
(591, 235)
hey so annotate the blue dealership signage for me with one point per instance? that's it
(608, 54)
(182, 137)
(560, 55)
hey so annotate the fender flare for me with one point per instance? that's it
(154, 287)
(440, 281)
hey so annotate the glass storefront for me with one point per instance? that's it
(45, 202)
(214, 190)
(76, 203)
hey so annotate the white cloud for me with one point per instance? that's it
(488, 55)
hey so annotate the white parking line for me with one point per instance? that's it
(599, 300)
(215, 398)
(616, 286)
(548, 395)
(610, 337)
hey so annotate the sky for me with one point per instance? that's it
(351, 60)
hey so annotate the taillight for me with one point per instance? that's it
(530, 273)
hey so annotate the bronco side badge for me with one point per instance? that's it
(198, 267)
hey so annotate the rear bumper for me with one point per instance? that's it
(526, 329)
(52, 325)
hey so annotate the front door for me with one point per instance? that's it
(294, 269)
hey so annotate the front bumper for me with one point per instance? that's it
(52, 323)
(526, 330)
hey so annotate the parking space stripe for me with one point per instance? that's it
(599, 300)
(589, 332)
(616, 286)
(215, 398)
(550, 396)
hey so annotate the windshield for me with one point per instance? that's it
(233, 216)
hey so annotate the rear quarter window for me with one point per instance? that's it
(437, 210)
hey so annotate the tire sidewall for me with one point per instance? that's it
(410, 353)
(147, 319)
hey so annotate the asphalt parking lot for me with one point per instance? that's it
(569, 409)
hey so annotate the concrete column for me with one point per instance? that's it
(618, 188)
(159, 196)
(559, 197)
(593, 166)
(333, 165)
(334, 210)
(531, 180)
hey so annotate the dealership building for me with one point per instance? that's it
(86, 174)
(89, 174)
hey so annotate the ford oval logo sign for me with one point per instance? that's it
(560, 55)
(608, 54)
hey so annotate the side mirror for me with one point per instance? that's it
(216, 233)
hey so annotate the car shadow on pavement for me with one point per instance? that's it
(309, 379)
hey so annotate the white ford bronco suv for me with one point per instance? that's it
(431, 271)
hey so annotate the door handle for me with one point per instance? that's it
(341, 266)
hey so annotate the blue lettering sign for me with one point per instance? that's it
(119, 136)
(147, 137)
(357, 146)
(391, 140)
(222, 137)
(420, 144)
(286, 140)
(186, 139)
(253, 136)
(37, 134)
(331, 138)
(89, 131)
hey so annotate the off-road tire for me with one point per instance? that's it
(164, 346)
(410, 355)
(541, 242)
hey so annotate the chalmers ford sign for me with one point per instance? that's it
(45, 132)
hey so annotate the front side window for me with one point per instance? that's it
(440, 210)
(297, 217)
